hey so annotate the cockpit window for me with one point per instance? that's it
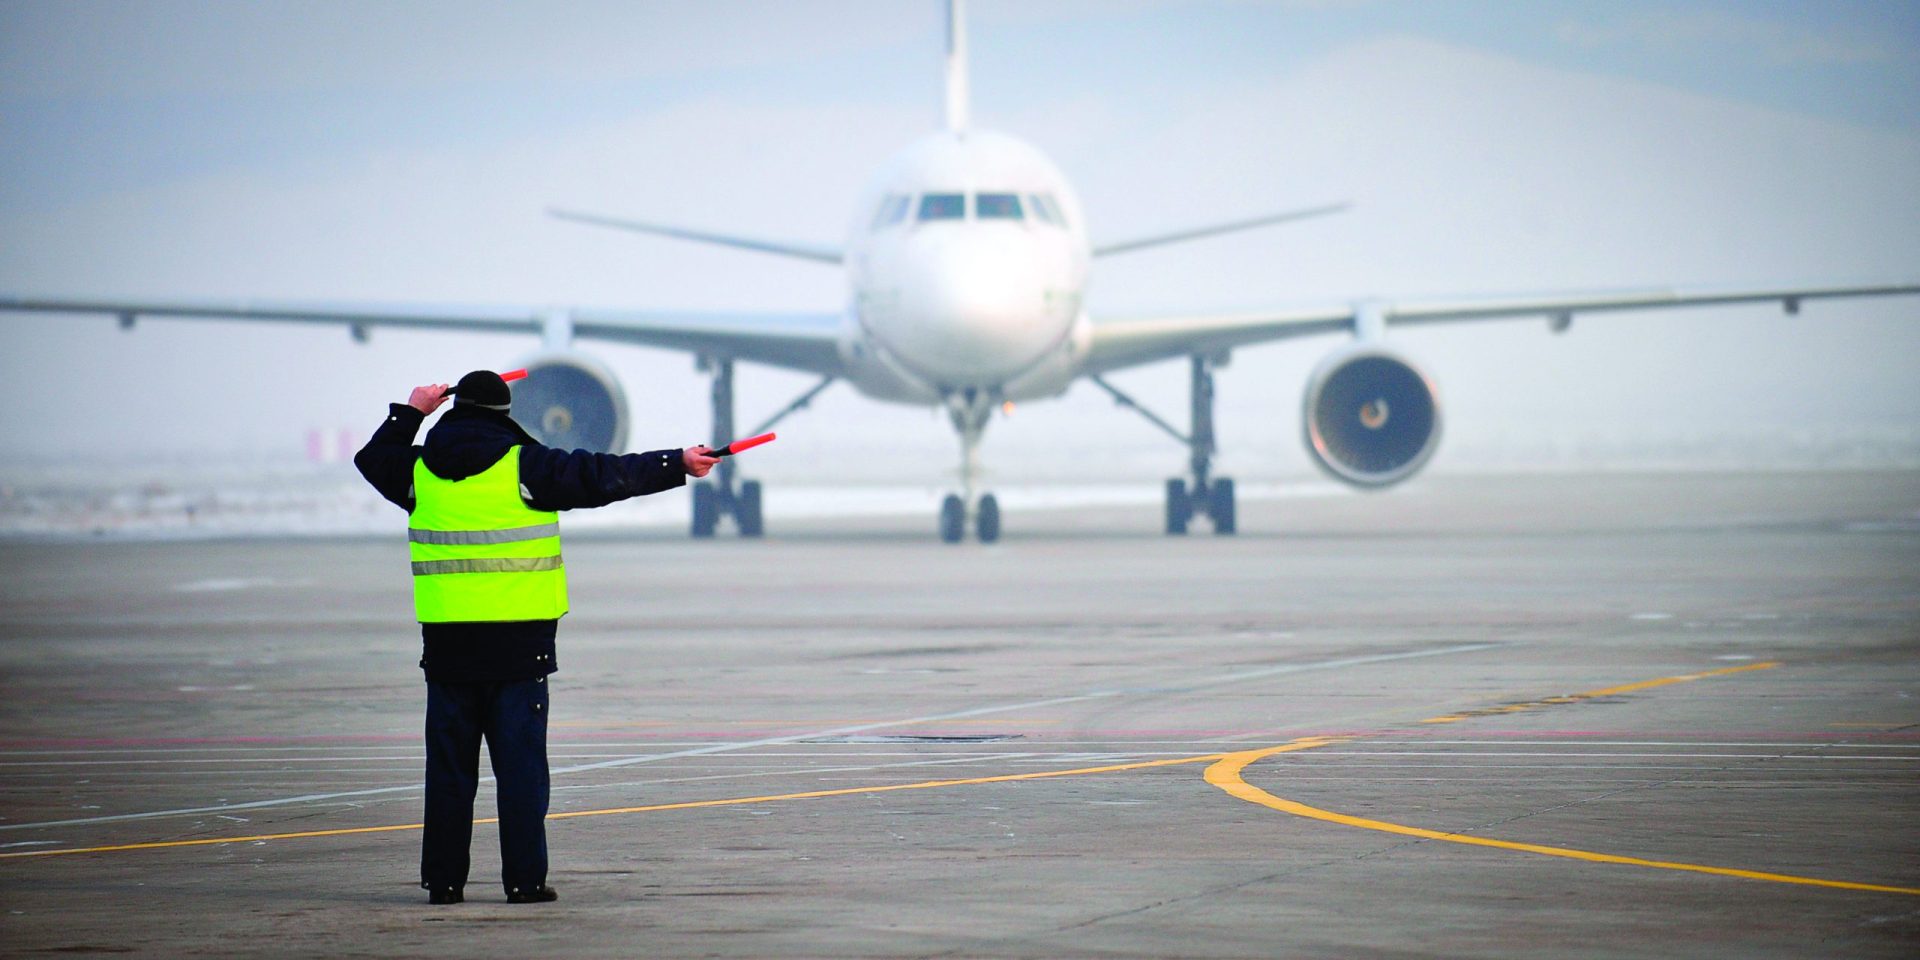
(1046, 208)
(892, 208)
(943, 206)
(997, 206)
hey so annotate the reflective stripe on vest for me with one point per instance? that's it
(427, 568)
(479, 552)
(513, 535)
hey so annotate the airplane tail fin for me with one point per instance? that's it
(956, 66)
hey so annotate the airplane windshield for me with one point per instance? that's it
(943, 206)
(892, 209)
(1046, 208)
(997, 206)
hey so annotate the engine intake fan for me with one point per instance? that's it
(1372, 419)
(572, 402)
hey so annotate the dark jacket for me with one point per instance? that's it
(467, 441)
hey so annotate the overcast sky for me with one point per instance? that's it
(406, 151)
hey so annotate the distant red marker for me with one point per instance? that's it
(739, 445)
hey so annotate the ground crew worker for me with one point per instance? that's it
(489, 589)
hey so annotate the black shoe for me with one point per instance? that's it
(445, 896)
(540, 894)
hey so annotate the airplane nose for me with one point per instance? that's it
(976, 305)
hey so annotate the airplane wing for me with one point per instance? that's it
(798, 341)
(1130, 342)
(784, 248)
(1214, 230)
(1121, 343)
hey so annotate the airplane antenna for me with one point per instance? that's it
(956, 66)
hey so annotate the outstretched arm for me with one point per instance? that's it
(568, 480)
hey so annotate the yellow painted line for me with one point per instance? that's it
(1595, 694)
(1226, 774)
(160, 844)
(1301, 744)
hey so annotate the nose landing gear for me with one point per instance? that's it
(970, 410)
(953, 518)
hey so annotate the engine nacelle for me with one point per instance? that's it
(1372, 419)
(571, 401)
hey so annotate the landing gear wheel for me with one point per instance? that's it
(706, 510)
(1179, 510)
(953, 519)
(1220, 505)
(748, 507)
(987, 521)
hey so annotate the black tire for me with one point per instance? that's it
(706, 510)
(953, 519)
(748, 507)
(1220, 506)
(1178, 509)
(987, 521)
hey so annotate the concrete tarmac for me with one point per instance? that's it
(1596, 716)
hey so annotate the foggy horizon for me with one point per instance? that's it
(295, 153)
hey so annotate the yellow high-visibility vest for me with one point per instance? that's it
(479, 552)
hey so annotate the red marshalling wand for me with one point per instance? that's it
(740, 445)
(721, 451)
(510, 376)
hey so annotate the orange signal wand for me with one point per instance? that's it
(740, 445)
(510, 376)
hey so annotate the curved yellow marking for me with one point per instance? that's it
(1226, 774)
(1595, 694)
(1301, 744)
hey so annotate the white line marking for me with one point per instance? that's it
(1596, 755)
(780, 772)
(1802, 744)
(795, 738)
(1851, 742)
(1305, 667)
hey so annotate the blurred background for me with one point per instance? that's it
(407, 151)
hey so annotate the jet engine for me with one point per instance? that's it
(1372, 419)
(571, 401)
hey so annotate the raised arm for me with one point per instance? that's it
(387, 459)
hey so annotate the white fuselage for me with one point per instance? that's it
(968, 270)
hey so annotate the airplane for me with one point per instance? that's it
(967, 274)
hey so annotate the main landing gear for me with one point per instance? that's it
(970, 410)
(1200, 493)
(721, 496)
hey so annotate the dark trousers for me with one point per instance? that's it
(512, 716)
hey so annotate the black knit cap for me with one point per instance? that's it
(483, 388)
